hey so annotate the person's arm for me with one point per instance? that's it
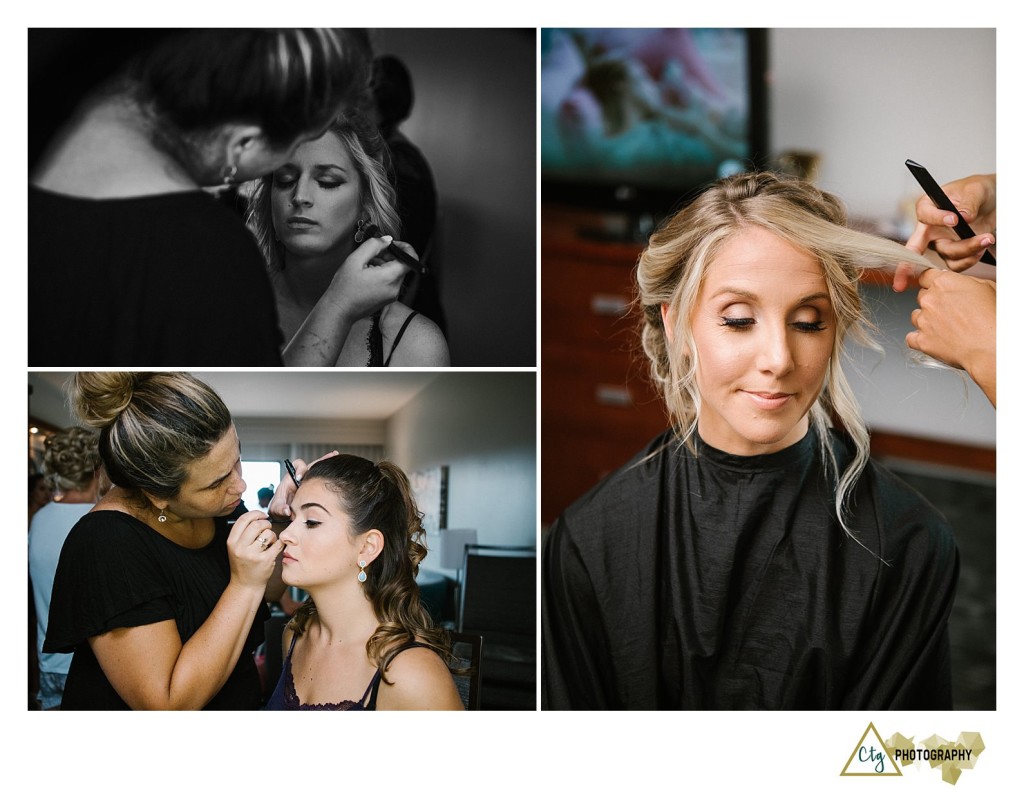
(364, 283)
(151, 669)
(956, 324)
(419, 681)
(975, 198)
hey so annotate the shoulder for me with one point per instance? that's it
(419, 680)
(422, 344)
(912, 530)
(633, 487)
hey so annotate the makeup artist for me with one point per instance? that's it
(159, 598)
(130, 261)
(955, 321)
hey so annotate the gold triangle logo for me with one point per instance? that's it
(871, 757)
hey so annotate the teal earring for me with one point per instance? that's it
(362, 573)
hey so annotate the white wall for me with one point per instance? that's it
(474, 118)
(866, 100)
(483, 427)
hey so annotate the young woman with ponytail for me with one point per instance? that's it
(362, 641)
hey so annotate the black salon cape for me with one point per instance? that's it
(726, 582)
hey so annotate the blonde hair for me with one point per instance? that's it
(71, 459)
(672, 269)
(152, 425)
(372, 161)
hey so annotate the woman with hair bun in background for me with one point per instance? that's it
(72, 464)
(158, 597)
(363, 641)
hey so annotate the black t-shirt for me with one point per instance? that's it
(116, 572)
(726, 582)
(168, 280)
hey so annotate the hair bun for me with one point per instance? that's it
(98, 398)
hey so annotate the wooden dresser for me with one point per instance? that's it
(597, 406)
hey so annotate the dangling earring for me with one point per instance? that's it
(362, 573)
(161, 518)
(228, 174)
(360, 235)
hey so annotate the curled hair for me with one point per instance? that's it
(288, 81)
(672, 269)
(152, 425)
(378, 496)
(372, 161)
(71, 458)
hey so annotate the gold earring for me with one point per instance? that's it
(362, 573)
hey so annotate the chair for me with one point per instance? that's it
(465, 666)
(498, 600)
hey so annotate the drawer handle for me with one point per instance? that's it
(609, 304)
(613, 395)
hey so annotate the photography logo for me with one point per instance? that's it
(874, 757)
(871, 757)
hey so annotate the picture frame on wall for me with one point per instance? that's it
(430, 487)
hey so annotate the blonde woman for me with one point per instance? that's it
(363, 641)
(753, 556)
(335, 285)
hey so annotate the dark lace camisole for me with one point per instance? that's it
(286, 698)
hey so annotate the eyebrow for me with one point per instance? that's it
(308, 505)
(752, 297)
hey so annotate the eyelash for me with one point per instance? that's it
(310, 524)
(742, 324)
(279, 184)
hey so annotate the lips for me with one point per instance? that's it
(286, 557)
(300, 222)
(769, 400)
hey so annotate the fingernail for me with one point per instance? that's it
(951, 219)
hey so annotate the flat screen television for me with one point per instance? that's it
(637, 121)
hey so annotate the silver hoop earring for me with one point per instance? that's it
(161, 518)
(362, 573)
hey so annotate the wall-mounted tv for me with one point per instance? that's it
(639, 120)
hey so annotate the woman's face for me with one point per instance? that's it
(316, 198)
(213, 484)
(41, 493)
(764, 330)
(319, 545)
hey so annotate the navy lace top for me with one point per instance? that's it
(286, 698)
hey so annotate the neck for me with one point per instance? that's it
(344, 614)
(108, 152)
(308, 277)
(81, 496)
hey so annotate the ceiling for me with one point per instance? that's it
(327, 394)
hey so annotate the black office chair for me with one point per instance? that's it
(498, 600)
(465, 666)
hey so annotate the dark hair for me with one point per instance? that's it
(152, 425)
(392, 91)
(286, 80)
(378, 496)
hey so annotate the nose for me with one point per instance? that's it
(286, 535)
(237, 485)
(300, 193)
(776, 353)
